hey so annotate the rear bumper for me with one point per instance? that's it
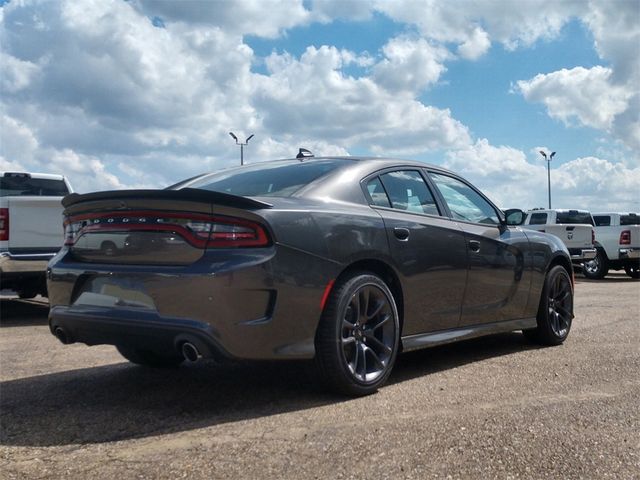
(244, 306)
(583, 255)
(96, 326)
(629, 253)
(11, 263)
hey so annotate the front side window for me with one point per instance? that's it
(464, 202)
(408, 191)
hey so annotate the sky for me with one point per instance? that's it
(141, 94)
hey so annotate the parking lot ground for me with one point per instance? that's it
(489, 408)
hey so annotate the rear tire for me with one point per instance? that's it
(149, 358)
(358, 336)
(555, 312)
(632, 270)
(598, 267)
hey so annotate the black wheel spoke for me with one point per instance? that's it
(378, 344)
(368, 333)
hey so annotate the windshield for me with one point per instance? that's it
(272, 179)
(24, 185)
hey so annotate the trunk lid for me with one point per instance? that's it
(159, 227)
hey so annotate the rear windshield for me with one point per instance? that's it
(631, 219)
(602, 220)
(573, 216)
(23, 186)
(272, 179)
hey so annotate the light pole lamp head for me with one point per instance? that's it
(543, 154)
(248, 138)
(552, 154)
(233, 136)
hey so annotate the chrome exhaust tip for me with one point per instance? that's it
(61, 335)
(190, 352)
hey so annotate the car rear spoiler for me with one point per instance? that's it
(194, 194)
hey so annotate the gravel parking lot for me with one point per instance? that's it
(490, 408)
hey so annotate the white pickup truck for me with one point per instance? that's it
(573, 227)
(30, 229)
(617, 244)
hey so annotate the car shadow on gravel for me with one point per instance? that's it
(15, 312)
(123, 401)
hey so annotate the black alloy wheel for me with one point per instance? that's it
(358, 336)
(597, 267)
(149, 358)
(555, 312)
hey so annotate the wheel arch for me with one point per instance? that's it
(386, 273)
(564, 262)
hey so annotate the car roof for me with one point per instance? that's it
(43, 176)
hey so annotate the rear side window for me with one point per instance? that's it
(573, 217)
(538, 219)
(602, 220)
(377, 193)
(272, 179)
(408, 191)
(631, 219)
(26, 186)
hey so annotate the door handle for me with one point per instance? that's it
(474, 245)
(401, 234)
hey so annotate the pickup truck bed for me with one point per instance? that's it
(30, 229)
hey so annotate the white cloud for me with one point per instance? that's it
(264, 18)
(306, 96)
(512, 180)
(586, 94)
(409, 65)
(475, 46)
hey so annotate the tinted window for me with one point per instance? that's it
(631, 219)
(408, 191)
(377, 193)
(574, 216)
(602, 220)
(23, 185)
(464, 202)
(538, 219)
(275, 179)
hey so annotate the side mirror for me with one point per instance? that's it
(514, 216)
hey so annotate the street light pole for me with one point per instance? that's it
(548, 160)
(242, 145)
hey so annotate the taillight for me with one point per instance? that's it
(201, 231)
(4, 224)
(625, 237)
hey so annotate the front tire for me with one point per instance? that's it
(358, 336)
(555, 312)
(598, 267)
(149, 358)
(632, 270)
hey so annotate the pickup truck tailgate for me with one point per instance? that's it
(35, 223)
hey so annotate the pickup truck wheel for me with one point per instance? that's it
(598, 267)
(632, 271)
(555, 312)
(149, 358)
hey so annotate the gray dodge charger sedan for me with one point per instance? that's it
(347, 261)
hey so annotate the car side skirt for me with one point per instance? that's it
(432, 339)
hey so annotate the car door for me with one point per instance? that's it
(428, 249)
(498, 280)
